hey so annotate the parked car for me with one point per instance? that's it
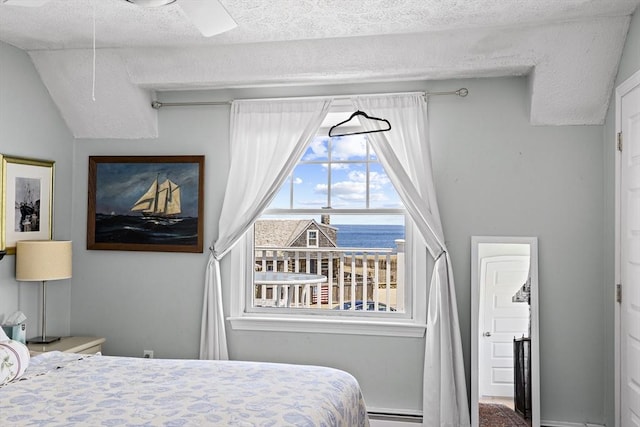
(371, 305)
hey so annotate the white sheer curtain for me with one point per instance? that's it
(405, 155)
(267, 139)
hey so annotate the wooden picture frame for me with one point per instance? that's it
(26, 206)
(146, 203)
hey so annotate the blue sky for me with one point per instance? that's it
(348, 180)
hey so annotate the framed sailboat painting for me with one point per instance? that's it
(146, 203)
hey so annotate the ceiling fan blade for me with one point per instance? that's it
(209, 16)
(25, 3)
(151, 3)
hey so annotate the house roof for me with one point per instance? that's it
(284, 232)
(569, 50)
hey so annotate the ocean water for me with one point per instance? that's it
(136, 229)
(368, 236)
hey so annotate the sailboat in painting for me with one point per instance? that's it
(160, 203)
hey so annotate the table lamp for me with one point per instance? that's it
(40, 261)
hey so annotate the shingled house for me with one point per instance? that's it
(291, 233)
(342, 267)
(294, 233)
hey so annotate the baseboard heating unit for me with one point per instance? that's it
(386, 419)
(547, 423)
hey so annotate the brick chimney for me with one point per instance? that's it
(325, 218)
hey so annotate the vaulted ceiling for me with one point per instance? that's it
(569, 49)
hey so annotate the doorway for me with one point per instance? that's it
(627, 273)
(502, 318)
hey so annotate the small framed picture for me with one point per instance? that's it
(27, 201)
(146, 203)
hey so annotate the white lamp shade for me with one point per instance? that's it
(38, 260)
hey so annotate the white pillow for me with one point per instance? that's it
(14, 359)
(3, 335)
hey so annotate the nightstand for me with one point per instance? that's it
(83, 345)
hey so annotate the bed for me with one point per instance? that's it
(63, 389)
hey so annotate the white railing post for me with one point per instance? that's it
(365, 282)
(330, 278)
(387, 287)
(341, 280)
(376, 282)
(264, 287)
(319, 285)
(354, 281)
(399, 274)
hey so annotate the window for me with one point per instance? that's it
(312, 238)
(335, 243)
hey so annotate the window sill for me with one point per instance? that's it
(329, 326)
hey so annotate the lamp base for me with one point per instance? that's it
(42, 340)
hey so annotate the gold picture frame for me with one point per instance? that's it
(26, 206)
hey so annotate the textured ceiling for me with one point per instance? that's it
(570, 50)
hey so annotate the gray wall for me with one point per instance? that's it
(629, 65)
(30, 126)
(495, 175)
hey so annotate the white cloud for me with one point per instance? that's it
(349, 148)
(337, 166)
(357, 176)
(347, 189)
(321, 188)
(297, 180)
(355, 187)
(318, 150)
(378, 197)
(376, 179)
(352, 190)
(343, 188)
(312, 203)
(379, 178)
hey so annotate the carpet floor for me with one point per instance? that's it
(498, 415)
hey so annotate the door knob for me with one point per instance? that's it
(486, 334)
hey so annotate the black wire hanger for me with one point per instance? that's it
(365, 115)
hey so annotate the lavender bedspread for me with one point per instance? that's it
(61, 389)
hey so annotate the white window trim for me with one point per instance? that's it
(411, 326)
(316, 238)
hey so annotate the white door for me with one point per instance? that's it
(630, 260)
(501, 320)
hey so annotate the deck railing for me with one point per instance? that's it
(357, 278)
